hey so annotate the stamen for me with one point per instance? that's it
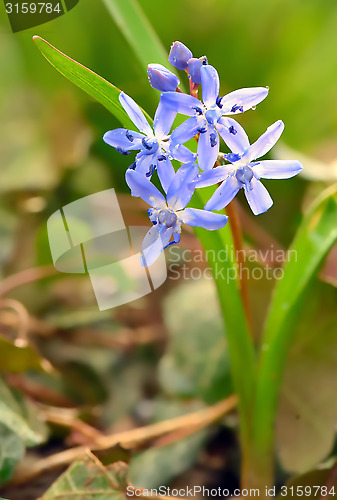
(198, 110)
(232, 157)
(145, 144)
(123, 151)
(129, 136)
(202, 130)
(161, 158)
(213, 140)
(236, 107)
(232, 130)
(151, 170)
(218, 102)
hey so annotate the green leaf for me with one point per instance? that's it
(103, 91)
(11, 452)
(138, 31)
(89, 479)
(18, 359)
(196, 362)
(20, 417)
(316, 235)
(307, 414)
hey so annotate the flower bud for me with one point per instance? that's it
(179, 55)
(194, 66)
(161, 78)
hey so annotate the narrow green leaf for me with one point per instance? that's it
(103, 91)
(307, 411)
(315, 237)
(142, 38)
(138, 31)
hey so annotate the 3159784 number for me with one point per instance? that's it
(307, 491)
(32, 8)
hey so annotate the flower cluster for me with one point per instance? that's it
(208, 120)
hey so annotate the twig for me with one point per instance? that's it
(23, 326)
(128, 439)
(67, 418)
(37, 391)
(25, 277)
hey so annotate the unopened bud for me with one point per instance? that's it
(194, 66)
(162, 78)
(179, 55)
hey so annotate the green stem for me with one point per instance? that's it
(239, 343)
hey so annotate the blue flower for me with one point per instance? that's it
(207, 117)
(245, 173)
(168, 214)
(155, 146)
(162, 78)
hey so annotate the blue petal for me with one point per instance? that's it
(276, 169)
(165, 172)
(142, 187)
(258, 197)
(210, 85)
(224, 194)
(214, 176)
(176, 236)
(179, 55)
(163, 120)
(161, 78)
(208, 148)
(202, 218)
(154, 244)
(265, 142)
(187, 130)
(144, 162)
(135, 113)
(194, 66)
(123, 139)
(182, 186)
(233, 134)
(181, 153)
(182, 103)
(246, 98)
